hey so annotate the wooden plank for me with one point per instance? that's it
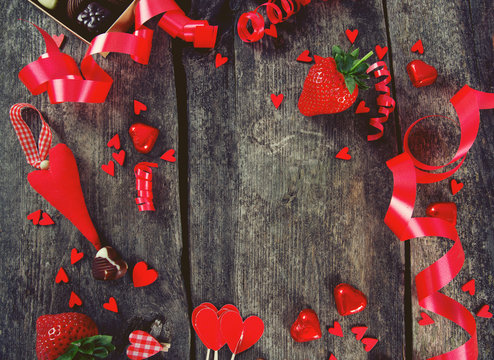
(275, 221)
(457, 41)
(30, 256)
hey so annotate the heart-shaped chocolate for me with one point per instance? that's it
(421, 73)
(349, 300)
(143, 137)
(306, 327)
(108, 265)
(443, 210)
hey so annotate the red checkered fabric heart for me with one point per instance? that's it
(143, 345)
(34, 155)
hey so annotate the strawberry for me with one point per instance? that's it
(332, 83)
(64, 336)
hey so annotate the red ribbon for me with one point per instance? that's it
(385, 102)
(407, 172)
(59, 75)
(144, 185)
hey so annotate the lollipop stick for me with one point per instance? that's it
(233, 357)
(216, 355)
(207, 354)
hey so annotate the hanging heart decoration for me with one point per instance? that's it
(143, 345)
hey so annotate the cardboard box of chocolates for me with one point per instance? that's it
(88, 18)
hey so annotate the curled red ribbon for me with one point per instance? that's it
(144, 185)
(385, 102)
(407, 172)
(59, 75)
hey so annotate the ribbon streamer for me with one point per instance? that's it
(59, 75)
(144, 185)
(407, 172)
(385, 102)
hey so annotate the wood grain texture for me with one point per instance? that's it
(30, 256)
(457, 41)
(275, 221)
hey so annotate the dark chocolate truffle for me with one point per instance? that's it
(94, 17)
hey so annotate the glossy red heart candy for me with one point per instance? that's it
(306, 327)
(443, 210)
(349, 300)
(421, 73)
(143, 137)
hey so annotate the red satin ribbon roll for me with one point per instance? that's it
(144, 185)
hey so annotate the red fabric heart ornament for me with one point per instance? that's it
(142, 345)
(349, 300)
(61, 187)
(306, 327)
(240, 335)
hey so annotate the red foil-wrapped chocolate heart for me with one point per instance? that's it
(306, 327)
(443, 210)
(143, 137)
(421, 73)
(349, 300)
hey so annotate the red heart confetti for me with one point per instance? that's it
(332, 357)
(359, 332)
(206, 323)
(143, 137)
(304, 56)
(369, 343)
(381, 51)
(114, 142)
(484, 312)
(418, 46)
(142, 345)
(119, 157)
(421, 74)
(46, 220)
(277, 99)
(336, 329)
(75, 256)
(168, 156)
(343, 154)
(74, 300)
(138, 107)
(142, 276)
(361, 108)
(455, 186)
(425, 320)
(469, 287)
(446, 211)
(109, 168)
(240, 335)
(35, 216)
(220, 60)
(111, 305)
(306, 327)
(271, 31)
(351, 35)
(349, 300)
(58, 39)
(61, 276)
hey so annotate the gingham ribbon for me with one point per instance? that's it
(34, 155)
(143, 345)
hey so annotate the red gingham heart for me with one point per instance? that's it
(143, 345)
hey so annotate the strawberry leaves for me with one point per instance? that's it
(94, 347)
(351, 67)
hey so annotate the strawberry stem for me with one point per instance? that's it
(369, 54)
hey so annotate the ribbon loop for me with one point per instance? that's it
(144, 185)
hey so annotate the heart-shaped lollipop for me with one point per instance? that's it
(349, 300)
(306, 327)
(240, 335)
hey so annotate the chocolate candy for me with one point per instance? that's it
(108, 265)
(74, 7)
(49, 4)
(94, 17)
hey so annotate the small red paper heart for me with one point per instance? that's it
(361, 108)
(381, 51)
(142, 345)
(138, 107)
(46, 220)
(206, 323)
(35, 216)
(61, 276)
(343, 154)
(446, 211)
(58, 39)
(306, 327)
(484, 312)
(455, 186)
(369, 343)
(240, 335)
(304, 56)
(114, 142)
(425, 320)
(349, 300)
(109, 168)
(142, 276)
(143, 137)
(359, 332)
(74, 300)
(119, 157)
(220, 60)
(168, 156)
(111, 305)
(469, 287)
(336, 329)
(332, 357)
(271, 31)
(277, 99)
(351, 34)
(75, 256)
(421, 74)
(418, 46)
